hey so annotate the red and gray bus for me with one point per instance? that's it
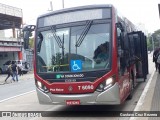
(87, 55)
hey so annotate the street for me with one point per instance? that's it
(25, 84)
(21, 96)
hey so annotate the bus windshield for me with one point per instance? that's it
(89, 45)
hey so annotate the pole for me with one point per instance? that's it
(159, 9)
(152, 43)
(63, 4)
(51, 5)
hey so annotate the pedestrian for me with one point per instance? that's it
(15, 71)
(9, 71)
(158, 61)
(155, 56)
(20, 71)
(20, 68)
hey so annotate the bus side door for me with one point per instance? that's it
(140, 55)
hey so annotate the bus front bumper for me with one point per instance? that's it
(110, 96)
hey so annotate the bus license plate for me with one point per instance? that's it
(72, 102)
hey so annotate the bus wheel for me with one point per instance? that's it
(132, 78)
(132, 87)
(131, 91)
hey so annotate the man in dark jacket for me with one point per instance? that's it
(9, 71)
(15, 71)
(155, 56)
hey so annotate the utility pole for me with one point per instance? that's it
(51, 5)
(159, 9)
(152, 43)
(63, 4)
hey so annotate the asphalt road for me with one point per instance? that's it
(10, 90)
(22, 96)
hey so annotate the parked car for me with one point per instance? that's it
(21, 63)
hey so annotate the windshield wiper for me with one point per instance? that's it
(59, 41)
(84, 33)
(57, 38)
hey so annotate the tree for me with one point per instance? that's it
(31, 42)
(149, 43)
(156, 38)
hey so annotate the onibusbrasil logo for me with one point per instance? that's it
(59, 76)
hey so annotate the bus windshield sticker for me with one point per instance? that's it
(76, 65)
(58, 76)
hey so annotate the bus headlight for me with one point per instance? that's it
(41, 87)
(39, 84)
(106, 84)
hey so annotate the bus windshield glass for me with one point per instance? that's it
(86, 46)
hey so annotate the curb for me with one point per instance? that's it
(145, 101)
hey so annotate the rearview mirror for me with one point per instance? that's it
(120, 26)
(27, 30)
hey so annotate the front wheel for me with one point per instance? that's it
(132, 87)
(131, 91)
(24, 72)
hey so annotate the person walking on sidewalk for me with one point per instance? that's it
(19, 65)
(155, 56)
(9, 71)
(15, 71)
(158, 61)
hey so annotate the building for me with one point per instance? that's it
(11, 47)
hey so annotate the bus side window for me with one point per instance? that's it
(120, 46)
(119, 42)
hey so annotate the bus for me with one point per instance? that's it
(87, 55)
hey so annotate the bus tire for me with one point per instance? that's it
(132, 87)
(131, 92)
(133, 80)
(24, 72)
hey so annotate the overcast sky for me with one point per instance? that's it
(137, 11)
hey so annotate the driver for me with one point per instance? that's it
(101, 53)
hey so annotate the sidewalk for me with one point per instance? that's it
(27, 76)
(150, 98)
(155, 106)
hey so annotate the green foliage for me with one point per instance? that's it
(156, 38)
(31, 42)
(149, 44)
(31, 34)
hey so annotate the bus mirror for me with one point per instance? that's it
(27, 30)
(120, 26)
(26, 39)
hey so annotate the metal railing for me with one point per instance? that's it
(9, 10)
(11, 39)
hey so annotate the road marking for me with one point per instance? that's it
(17, 96)
(2, 83)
